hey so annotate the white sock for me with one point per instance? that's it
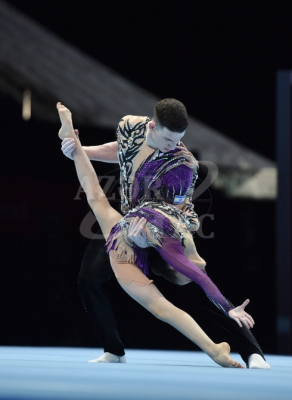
(255, 361)
(110, 358)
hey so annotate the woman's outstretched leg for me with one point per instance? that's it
(106, 216)
(150, 298)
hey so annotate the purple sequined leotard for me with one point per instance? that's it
(152, 183)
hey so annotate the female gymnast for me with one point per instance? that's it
(166, 231)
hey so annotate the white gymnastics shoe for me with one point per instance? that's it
(110, 358)
(255, 361)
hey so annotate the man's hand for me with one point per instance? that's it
(239, 315)
(191, 162)
(68, 145)
(137, 233)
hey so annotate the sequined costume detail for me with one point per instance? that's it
(130, 138)
(158, 179)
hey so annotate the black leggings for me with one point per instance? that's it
(96, 269)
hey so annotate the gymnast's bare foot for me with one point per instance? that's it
(221, 356)
(66, 121)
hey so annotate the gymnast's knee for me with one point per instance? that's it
(160, 311)
(159, 314)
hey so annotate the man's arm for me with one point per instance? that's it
(106, 152)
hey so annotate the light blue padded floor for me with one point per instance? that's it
(64, 373)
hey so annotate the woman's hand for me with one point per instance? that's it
(137, 233)
(239, 315)
(191, 162)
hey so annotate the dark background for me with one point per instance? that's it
(219, 58)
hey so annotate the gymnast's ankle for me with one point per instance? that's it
(110, 358)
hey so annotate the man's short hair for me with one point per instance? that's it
(171, 114)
